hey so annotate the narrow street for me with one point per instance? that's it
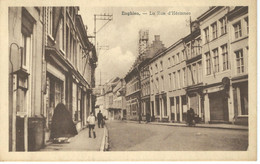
(146, 137)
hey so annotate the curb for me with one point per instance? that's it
(104, 142)
(197, 126)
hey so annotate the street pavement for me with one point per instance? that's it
(127, 136)
(80, 142)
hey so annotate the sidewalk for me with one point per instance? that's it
(217, 126)
(80, 142)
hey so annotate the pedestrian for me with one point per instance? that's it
(62, 124)
(149, 117)
(100, 119)
(91, 124)
(140, 118)
(192, 115)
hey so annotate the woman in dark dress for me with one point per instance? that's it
(62, 124)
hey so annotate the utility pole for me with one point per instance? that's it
(104, 17)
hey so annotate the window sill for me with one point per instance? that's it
(239, 39)
(223, 34)
(243, 116)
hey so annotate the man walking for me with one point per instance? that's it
(100, 119)
(91, 124)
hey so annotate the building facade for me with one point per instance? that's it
(215, 48)
(25, 69)
(51, 61)
(194, 69)
(239, 48)
(206, 71)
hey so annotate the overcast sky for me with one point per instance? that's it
(121, 34)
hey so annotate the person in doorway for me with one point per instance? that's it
(100, 119)
(62, 124)
(190, 117)
(140, 118)
(91, 126)
(148, 117)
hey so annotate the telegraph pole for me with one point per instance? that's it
(103, 17)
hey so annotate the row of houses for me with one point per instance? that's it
(51, 61)
(207, 70)
(111, 99)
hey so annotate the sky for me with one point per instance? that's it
(121, 34)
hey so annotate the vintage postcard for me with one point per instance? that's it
(128, 80)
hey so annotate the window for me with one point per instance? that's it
(184, 77)
(177, 58)
(194, 74)
(169, 62)
(198, 46)
(188, 51)
(27, 32)
(162, 83)
(199, 72)
(214, 30)
(206, 33)
(193, 47)
(61, 34)
(183, 55)
(71, 47)
(247, 27)
(190, 78)
(173, 60)
(240, 61)
(208, 63)
(67, 41)
(50, 20)
(26, 42)
(237, 30)
(225, 57)
(156, 66)
(170, 81)
(151, 70)
(157, 84)
(181, 78)
(216, 60)
(178, 79)
(173, 80)
(75, 53)
(223, 25)
(161, 65)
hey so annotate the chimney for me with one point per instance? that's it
(157, 37)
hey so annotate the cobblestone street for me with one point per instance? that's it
(146, 137)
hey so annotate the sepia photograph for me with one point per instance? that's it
(107, 79)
